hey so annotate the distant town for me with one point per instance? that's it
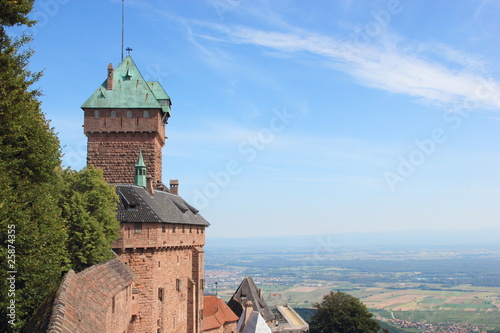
(419, 290)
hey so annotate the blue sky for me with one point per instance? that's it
(295, 117)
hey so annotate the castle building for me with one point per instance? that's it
(161, 235)
(155, 284)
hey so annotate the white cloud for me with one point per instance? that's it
(452, 78)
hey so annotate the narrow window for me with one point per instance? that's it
(173, 229)
(183, 229)
(97, 113)
(179, 284)
(113, 114)
(129, 113)
(146, 114)
(163, 228)
(138, 228)
(160, 294)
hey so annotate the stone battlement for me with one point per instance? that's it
(159, 235)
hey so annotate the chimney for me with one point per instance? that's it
(248, 312)
(149, 185)
(174, 186)
(109, 81)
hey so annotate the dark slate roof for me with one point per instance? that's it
(248, 291)
(136, 205)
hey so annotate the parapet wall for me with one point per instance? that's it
(159, 235)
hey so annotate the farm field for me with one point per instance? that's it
(463, 303)
(442, 285)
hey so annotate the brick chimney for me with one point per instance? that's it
(248, 312)
(109, 81)
(149, 185)
(174, 186)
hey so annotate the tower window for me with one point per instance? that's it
(160, 294)
(163, 228)
(146, 114)
(129, 113)
(113, 113)
(138, 228)
(97, 113)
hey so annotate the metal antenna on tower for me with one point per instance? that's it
(123, 25)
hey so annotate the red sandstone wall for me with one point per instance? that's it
(230, 328)
(114, 143)
(160, 235)
(118, 314)
(168, 261)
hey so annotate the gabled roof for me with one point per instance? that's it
(216, 313)
(248, 291)
(136, 205)
(130, 90)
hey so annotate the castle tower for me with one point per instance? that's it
(124, 114)
(161, 236)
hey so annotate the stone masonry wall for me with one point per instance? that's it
(167, 288)
(117, 155)
(114, 140)
(159, 235)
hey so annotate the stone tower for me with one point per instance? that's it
(126, 114)
(161, 236)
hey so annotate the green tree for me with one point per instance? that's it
(29, 162)
(342, 313)
(51, 219)
(88, 205)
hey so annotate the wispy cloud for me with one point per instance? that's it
(440, 74)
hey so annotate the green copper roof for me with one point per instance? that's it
(140, 160)
(130, 90)
(140, 171)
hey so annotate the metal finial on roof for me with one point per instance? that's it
(123, 25)
(128, 49)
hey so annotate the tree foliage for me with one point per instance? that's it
(342, 313)
(50, 220)
(89, 207)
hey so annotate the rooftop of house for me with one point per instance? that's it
(128, 89)
(216, 313)
(137, 205)
(248, 291)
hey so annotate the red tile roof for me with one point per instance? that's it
(216, 313)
